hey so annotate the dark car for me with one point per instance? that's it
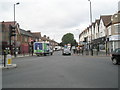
(116, 56)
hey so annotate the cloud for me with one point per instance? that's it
(55, 17)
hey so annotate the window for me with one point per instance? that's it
(109, 30)
(117, 51)
(117, 28)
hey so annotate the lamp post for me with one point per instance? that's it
(14, 11)
(91, 28)
(15, 35)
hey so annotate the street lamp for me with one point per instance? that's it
(90, 12)
(14, 25)
(14, 11)
(91, 27)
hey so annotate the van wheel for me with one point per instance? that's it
(38, 55)
(114, 61)
(44, 54)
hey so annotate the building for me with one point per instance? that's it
(97, 32)
(104, 21)
(6, 38)
(113, 34)
(36, 36)
(97, 22)
(24, 41)
(0, 38)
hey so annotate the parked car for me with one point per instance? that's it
(57, 48)
(115, 56)
(66, 51)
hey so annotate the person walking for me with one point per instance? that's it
(78, 50)
(82, 50)
(73, 49)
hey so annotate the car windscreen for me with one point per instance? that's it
(117, 50)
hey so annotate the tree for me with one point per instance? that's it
(74, 43)
(69, 39)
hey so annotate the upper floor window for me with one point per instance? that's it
(117, 28)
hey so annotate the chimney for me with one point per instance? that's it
(28, 31)
(48, 37)
(44, 36)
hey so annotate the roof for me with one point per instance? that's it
(26, 33)
(36, 34)
(43, 38)
(106, 19)
(97, 21)
(8, 22)
(93, 24)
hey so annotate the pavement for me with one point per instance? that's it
(101, 53)
(8, 66)
(12, 65)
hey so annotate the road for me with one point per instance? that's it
(59, 71)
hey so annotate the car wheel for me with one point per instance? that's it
(114, 61)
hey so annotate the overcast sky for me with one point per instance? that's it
(55, 18)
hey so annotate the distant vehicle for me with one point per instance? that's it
(115, 56)
(57, 48)
(66, 51)
(42, 48)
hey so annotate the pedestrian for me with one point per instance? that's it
(82, 50)
(73, 49)
(78, 50)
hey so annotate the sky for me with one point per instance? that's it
(55, 18)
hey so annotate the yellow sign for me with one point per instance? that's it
(9, 61)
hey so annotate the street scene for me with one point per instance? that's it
(60, 44)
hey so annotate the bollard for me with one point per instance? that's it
(9, 59)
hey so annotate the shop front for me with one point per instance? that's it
(99, 43)
(114, 42)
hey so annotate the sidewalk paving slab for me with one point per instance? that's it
(8, 66)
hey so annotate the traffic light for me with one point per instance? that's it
(12, 30)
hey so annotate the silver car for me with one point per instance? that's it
(66, 51)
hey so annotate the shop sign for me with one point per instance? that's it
(114, 38)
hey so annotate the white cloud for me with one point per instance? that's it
(55, 17)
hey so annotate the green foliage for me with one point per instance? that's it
(74, 43)
(68, 39)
